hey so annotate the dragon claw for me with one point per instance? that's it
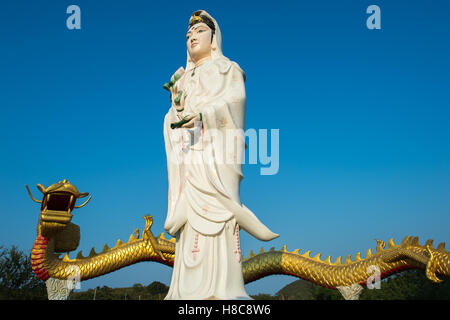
(430, 270)
(148, 235)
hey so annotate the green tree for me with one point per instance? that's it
(17, 279)
(409, 285)
(157, 290)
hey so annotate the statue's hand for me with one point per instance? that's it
(192, 119)
(179, 107)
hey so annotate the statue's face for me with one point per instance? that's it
(198, 41)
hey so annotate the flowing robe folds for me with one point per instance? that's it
(204, 169)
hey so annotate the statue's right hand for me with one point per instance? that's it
(173, 94)
(179, 108)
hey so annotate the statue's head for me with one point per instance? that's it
(199, 37)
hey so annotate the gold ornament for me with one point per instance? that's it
(195, 19)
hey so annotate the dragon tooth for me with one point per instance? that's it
(369, 253)
(380, 245)
(131, 238)
(406, 240)
(272, 249)
(66, 257)
(429, 243)
(70, 203)
(283, 249)
(296, 251)
(306, 254)
(348, 260)
(119, 243)
(161, 236)
(327, 260)
(173, 240)
(105, 248)
(338, 261)
(441, 247)
(251, 254)
(92, 253)
(391, 243)
(80, 255)
(358, 257)
(415, 241)
(317, 257)
(261, 250)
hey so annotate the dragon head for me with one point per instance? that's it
(57, 205)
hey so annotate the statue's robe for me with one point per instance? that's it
(204, 207)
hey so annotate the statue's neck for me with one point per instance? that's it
(201, 61)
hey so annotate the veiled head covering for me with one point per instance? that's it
(216, 41)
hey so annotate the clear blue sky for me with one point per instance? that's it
(363, 118)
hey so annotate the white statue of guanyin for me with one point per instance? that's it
(204, 208)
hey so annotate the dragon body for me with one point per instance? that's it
(56, 234)
(47, 264)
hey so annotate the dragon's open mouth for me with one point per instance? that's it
(57, 207)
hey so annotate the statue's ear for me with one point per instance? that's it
(82, 195)
(41, 188)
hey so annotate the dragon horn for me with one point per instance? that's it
(31, 196)
(41, 188)
(82, 205)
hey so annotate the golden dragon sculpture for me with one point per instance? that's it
(56, 234)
